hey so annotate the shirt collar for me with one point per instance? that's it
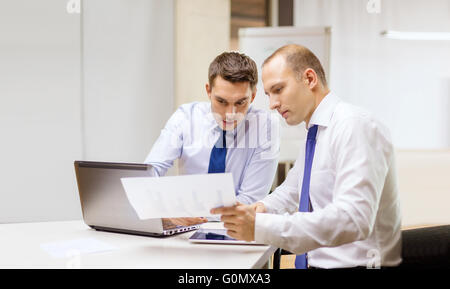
(323, 113)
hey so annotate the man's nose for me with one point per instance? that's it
(231, 109)
(274, 102)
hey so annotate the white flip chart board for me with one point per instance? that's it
(259, 43)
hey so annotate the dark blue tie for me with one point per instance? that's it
(218, 156)
(301, 261)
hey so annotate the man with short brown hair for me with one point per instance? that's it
(224, 135)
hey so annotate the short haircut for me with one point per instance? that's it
(233, 67)
(300, 58)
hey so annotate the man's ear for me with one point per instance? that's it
(208, 90)
(253, 94)
(310, 78)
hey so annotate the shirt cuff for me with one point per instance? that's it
(267, 228)
(268, 206)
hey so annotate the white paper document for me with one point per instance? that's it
(66, 249)
(179, 196)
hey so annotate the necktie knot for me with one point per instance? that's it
(222, 141)
(218, 155)
(224, 138)
(312, 132)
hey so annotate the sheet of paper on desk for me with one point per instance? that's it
(70, 248)
(179, 196)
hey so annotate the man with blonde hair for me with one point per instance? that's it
(339, 203)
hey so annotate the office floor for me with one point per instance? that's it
(287, 262)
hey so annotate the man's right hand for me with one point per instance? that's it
(184, 221)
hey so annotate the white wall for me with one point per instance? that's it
(128, 61)
(202, 33)
(39, 110)
(404, 82)
(424, 187)
(47, 120)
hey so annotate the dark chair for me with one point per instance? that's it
(426, 248)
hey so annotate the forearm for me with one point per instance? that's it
(163, 153)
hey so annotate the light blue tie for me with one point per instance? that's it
(218, 155)
(301, 261)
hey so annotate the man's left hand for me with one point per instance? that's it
(239, 220)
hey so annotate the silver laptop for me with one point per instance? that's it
(105, 205)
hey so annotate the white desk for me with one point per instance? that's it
(20, 248)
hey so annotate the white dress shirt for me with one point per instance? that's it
(353, 192)
(252, 148)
